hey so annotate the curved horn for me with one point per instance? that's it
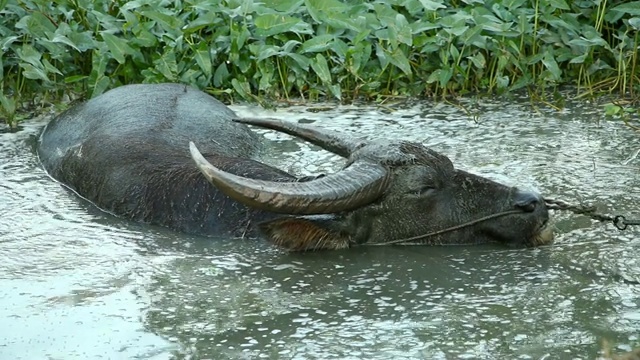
(353, 187)
(326, 139)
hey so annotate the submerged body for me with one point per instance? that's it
(128, 152)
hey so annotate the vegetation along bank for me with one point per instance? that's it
(279, 49)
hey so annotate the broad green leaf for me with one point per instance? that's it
(342, 21)
(320, 9)
(221, 75)
(422, 25)
(270, 24)
(588, 43)
(340, 48)
(265, 73)
(550, 63)
(578, 59)
(503, 60)
(478, 60)
(99, 61)
(360, 37)
(8, 104)
(403, 30)
(29, 55)
(563, 55)
(385, 13)
(413, 6)
(456, 20)
(36, 25)
(284, 6)
(290, 45)
(194, 77)
(336, 91)
(264, 51)
(302, 61)
(166, 65)
(243, 89)
(168, 22)
(631, 8)
(612, 109)
(57, 38)
(118, 47)
(498, 27)
(558, 25)
(60, 36)
(143, 37)
(74, 78)
(457, 31)
(455, 53)
(502, 81)
(50, 68)
(383, 58)
(107, 22)
(99, 86)
(35, 73)
(333, 13)
(514, 47)
(83, 40)
(534, 59)
(432, 5)
(513, 4)
(474, 37)
(399, 59)
(54, 51)
(597, 66)
(203, 58)
(559, 4)
(6, 42)
(522, 82)
(445, 76)
(244, 63)
(239, 37)
(385, 35)
(131, 5)
(635, 22)
(396, 27)
(360, 56)
(204, 20)
(434, 76)
(318, 43)
(321, 68)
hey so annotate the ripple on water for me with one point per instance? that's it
(78, 283)
(69, 284)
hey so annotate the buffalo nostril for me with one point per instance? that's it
(527, 202)
(530, 207)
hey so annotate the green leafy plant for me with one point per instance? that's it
(258, 50)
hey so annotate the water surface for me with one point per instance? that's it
(76, 283)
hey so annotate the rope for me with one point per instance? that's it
(619, 221)
(453, 228)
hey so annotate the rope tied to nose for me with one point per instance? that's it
(449, 229)
(619, 221)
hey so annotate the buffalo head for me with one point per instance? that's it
(388, 193)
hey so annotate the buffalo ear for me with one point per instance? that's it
(306, 233)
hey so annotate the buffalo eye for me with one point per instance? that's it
(422, 191)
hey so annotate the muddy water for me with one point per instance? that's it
(76, 283)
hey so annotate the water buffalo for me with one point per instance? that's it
(174, 156)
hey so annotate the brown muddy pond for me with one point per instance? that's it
(76, 283)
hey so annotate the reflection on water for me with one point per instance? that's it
(80, 284)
